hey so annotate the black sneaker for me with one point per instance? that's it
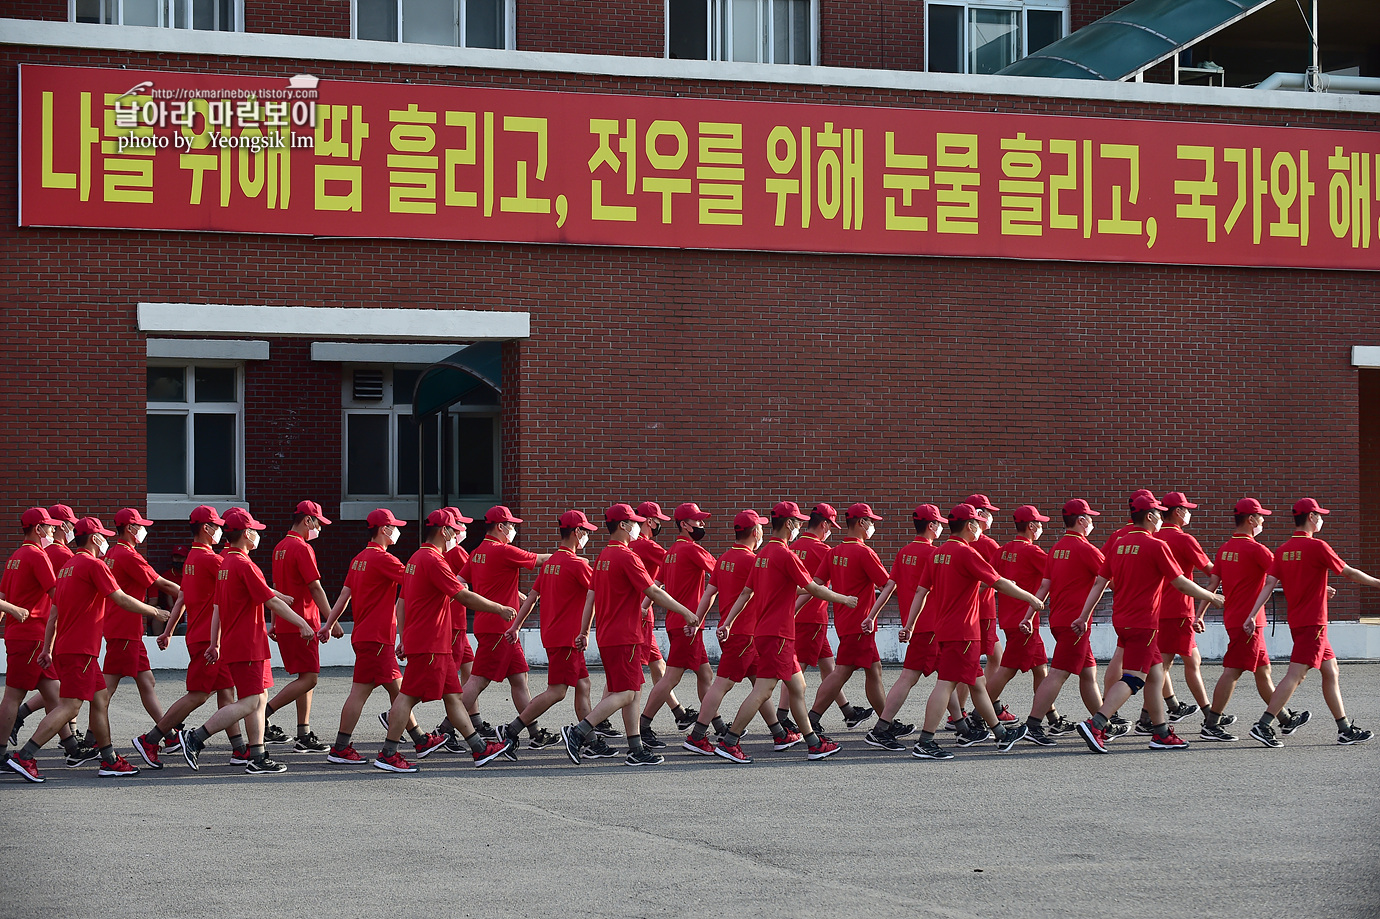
(1011, 737)
(1061, 725)
(82, 755)
(488, 731)
(858, 717)
(651, 741)
(1114, 729)
(644, 758)
(606, 729)
(1265, 734)
(597, 749)
(1226, 719)
(191, 750)
(882, 740)
(1181, 711)
(972, 738)
(1146, 729)
(1216, 732)
(1296, 721)
(275, 734)
(455, 743)
(1353, 735)
(542, 739)
(1039, 737)
(1115, 719)
(572, 743)
(310, 743)
(687, 721)
(383, 720)
(790, 726)
(14, 731)
(510, 744)
(264, 766)
(901, 729)
(928, 749)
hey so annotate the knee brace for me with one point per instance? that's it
(1135, 682)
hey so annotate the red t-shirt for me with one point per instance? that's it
(1072, 567)
(730, 576)
(1189, 555)
(1138, 568)
(620, 579)
(1301, 566)
(200, 574)
(134, 575)
(294, 568)
(82, 587)
(905, 571)
(492, 572)
(812, 551)
(990, 550)
(1242, 564)
(241, 593)
(456, 558)
(563, 584)
(428, 586)
(954, 576)
(778, 573)
(27, 579)
(653, 556)
(687, 566)
(1023, 562)
(1112, 540)
(58, 554)
(852, 568)
(374, 577)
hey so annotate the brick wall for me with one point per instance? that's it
(327, 18)
(886, 34)
(631, 28)
(35, 9)
(1368, 509)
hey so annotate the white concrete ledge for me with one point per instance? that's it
(208, 349)
(1366, 356)
(348, 352)
(382, 323)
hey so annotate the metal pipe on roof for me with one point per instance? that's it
(1326, 82)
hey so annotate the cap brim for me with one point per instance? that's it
(587, 526)
(102, 532)
(325, 520)
(1261, 511)
(469, 520)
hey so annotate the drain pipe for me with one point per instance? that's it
(1324, 82)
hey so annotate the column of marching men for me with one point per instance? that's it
(962, 597)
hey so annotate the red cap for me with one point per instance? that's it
(623, 512)
(1250, 506)
(1079, 506)
(691, 511)
(205, 513)
(441, 517)
(982, 503)
(748, 518)
(784, 509)
(963, 512)
(87, 525)
(63, 513)
(1308, 506)
(827, 512)
(861, 511)
(126, 516)
(1027, 512)
(650, 509)
(181, 552)
(37, 516)
(500, 514)
(1146, 503)
(459, 517)
(1177, 499)
(1138, 493)
(312, 509)
(237, 518)
(383, 517)
(572, 519)
(927, 512)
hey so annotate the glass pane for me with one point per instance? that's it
(944, 38)
(689, 30)
(407, 455)
(995, 39)
(141, 12)
(88, 10)
(366, 454)
(429, 22)
(203, 14)
(213, 452)
(781, 31)
(404, 381)
(179, 11)
(484, 23)
(226, 19)
(800, 32)
(376, 20)
(745, 30)
(167, 384)
(167, 454)
(215, 384)
(474, 455)
(1043, 27)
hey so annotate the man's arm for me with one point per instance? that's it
(1360, 577)
(483, 604)
(819, 591)
(524, 611)
(213, 649)
(1193, 589)
(338, 610)
(171, 588)
(398, 616)
(9, 609)
(587, 617)
(126, 602)
(1213, 583)
(1027, 624)
(870, 623)
(1099, 587)
(726, 622)
(284, 612)
(173, 618)
(1012, 589)
(45, 654)
(702, 612)
(661, 598)
(917, 603)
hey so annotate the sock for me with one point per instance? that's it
(644, 723)
(531, 729)
(69, 743)
(1144, 716)
(679, 712)
(268, 710)
(814, 719)
(782, 714)
(1343, 723)
(1160, 730)
(1210, 718)
(777, 731)
(583, 730)
(342, 740)
(1053, 716)
(926, 736)
(416, 734)
(154, 735)
(445, 727)
(23, 712)
(303, 730)
(1032, 723)
(1171, 702)
(1266, 720)
(257, 751)
(108, 753)
(699, 730)
(29, 750)
(882, 726)
(812, 739)
(199, 737)
(965, 724)
(239, 746)
(1285, 716)
(719, 726)
(390, 747)
(516, 727)
(1100, 721)
(731, 739)
(476, 743)
(635, 743)
(848, 710)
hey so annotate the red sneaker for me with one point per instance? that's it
(492, 751)
(702, 746)
(25, 767)
(349, 756)
(393, 763)
(733, 754)
(1094, 737)
(172, 743)
(429, 745)
(825, 748)
(148, 750)
(952, 723)
(1004, 715)
(1170, 741)
(790, 740)
(120, 768)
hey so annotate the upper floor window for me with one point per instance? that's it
(462, 23)
(195, 431)
(209, 15)
(986, 35)
(763, 31)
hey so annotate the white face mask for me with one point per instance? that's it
(869, 528)
(635, 530)
(393, 535)
(1258, 528)
(1037, 532)
(451, 543)
(312, 534)
(215, 535)
(1319, 524)
(253, 540)
(45, 541)
(1090, 527)
(100, 545)
(140, 534)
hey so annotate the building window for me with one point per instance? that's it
(461, 23)
(195, 432)
(207, 15)
(762, 31)
(460, 446)
(986, 36)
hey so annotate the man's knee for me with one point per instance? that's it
(1133, 681)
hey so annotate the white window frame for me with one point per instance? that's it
(509, 23)
(717, 51)
(170, 506)
(1024, 6)
(166, 17)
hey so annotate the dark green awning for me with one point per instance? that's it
(1133, 39)
(446, 382)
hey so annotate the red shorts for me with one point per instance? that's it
(622, 666)
(686, 652)
(1246, 652)
(204, 677)
(857, 650)
(565, 667)
(922, 653)
(462, 649)
(251, 677)
(775, 657)
(497, 658)
(651, 651)
(960, 661)
(812, 643)
(1072, 651)
(1311, 646)
(989, 636)
(1139, 649)
(428, 677)
(300, 655)
(1176, 636)
(21, 665)
(376, 663)
(125, 657)
(738, 658)
(1024, 652)
(79, 675)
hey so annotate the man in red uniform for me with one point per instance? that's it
(1022, 562)
(1119, 725)
(990, 550)
(71, 641)
(614, 603)
(1178, 619)
(653, 557)
(296, 575)
(456, 556)
(1139, 566)
(1301, 567)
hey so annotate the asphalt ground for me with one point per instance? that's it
(1227, 830)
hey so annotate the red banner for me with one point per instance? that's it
(184, 151)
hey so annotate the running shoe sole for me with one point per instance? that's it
(12, 763)
(1086, 732)
(138, 748)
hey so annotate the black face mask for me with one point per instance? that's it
(697, 533)
(655, 528)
